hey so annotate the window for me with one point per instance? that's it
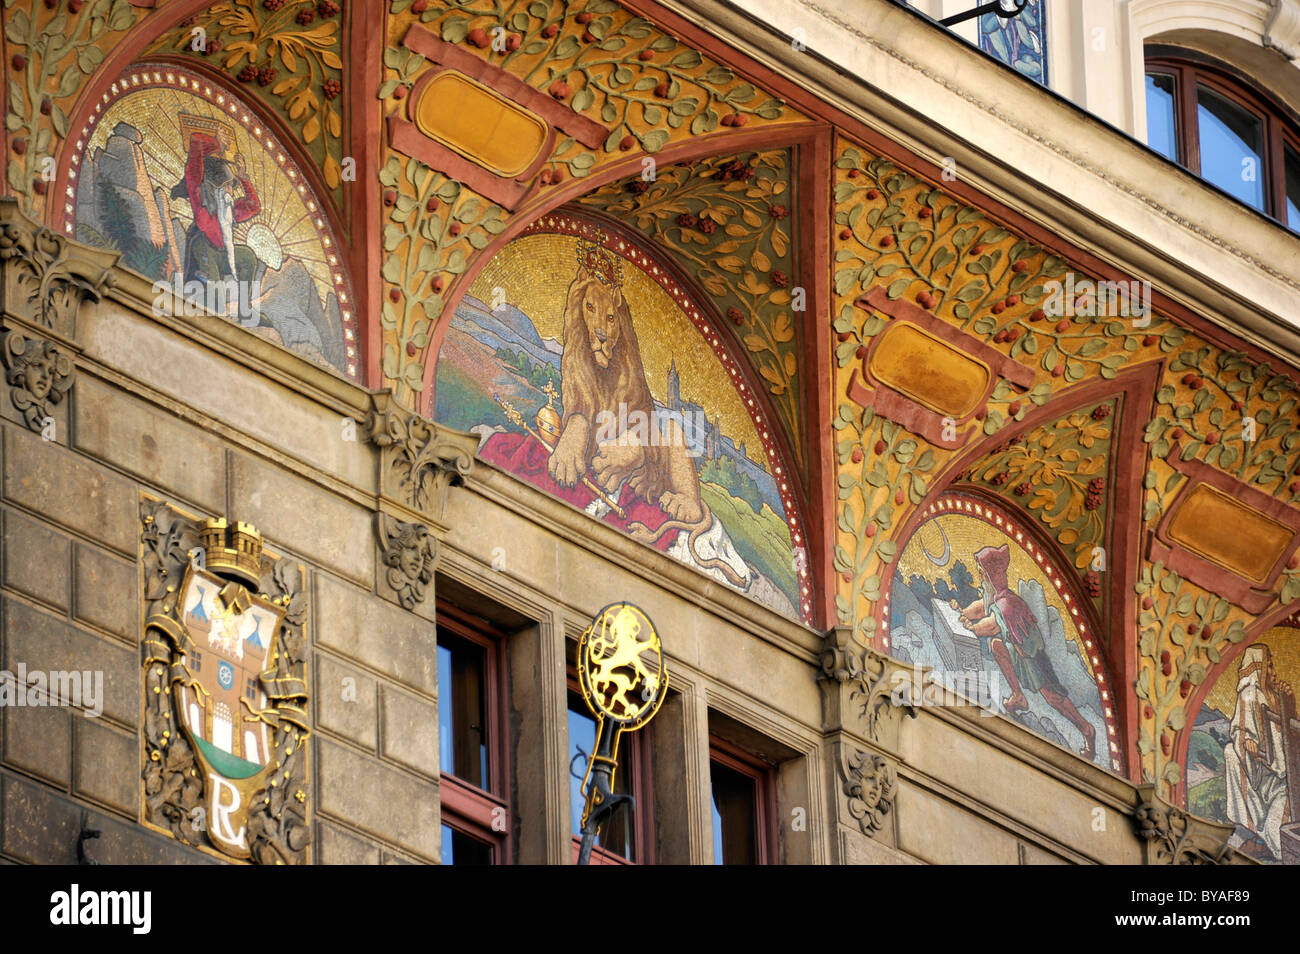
(197, 658)
(628, 838)
(471, 721)
(742, 807)
(1234, 138)
(459, 848)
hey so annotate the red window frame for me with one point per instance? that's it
(1279, 126)
(642, 789)
(762, 774)
(465, 807)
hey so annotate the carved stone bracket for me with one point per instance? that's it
(1174, 837)
(1283, 29)
(409, 555)
(863, 690)
(870, 783)
(39, 373)
(44, 277)
(419, 459)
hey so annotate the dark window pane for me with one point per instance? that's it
(1162, 128)
(615, 836)
(1292, 188)
(462, 709)
(1231, 146)
(735, 816)
(459, 848)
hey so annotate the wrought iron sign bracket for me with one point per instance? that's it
(1006, 9)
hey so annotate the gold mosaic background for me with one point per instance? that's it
(535, 272)
(968, 534)
(155, 113)
(1284, 643)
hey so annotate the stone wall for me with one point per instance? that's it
(176, 412)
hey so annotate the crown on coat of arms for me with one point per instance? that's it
(232, 551)
(600, 261)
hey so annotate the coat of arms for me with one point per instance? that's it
(225, 695)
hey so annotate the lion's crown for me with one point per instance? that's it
(600, 261)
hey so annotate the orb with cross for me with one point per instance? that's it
(548, 418)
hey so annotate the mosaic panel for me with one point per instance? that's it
(1061, 472)
(586, 371)
(728, 221)
(977, 600)
(197, 195)
(1021, 42)
(1243, 745)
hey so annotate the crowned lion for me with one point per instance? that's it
(602, 381)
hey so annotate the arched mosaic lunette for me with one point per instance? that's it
(981, 600)
(507, 370)
(1241, 746)
(190, 184)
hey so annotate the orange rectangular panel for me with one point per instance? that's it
(1224, 531)
(929, 371)
(479, 123)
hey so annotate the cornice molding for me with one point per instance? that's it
(45, 279)
(661, 570)
(136, 293)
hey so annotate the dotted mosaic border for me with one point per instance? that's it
(143, 77)
(573, 225)
(951, 503)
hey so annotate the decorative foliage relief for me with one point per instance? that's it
(52, 54)
(287, 54)
(613, 67)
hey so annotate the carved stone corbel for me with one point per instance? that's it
(864, 691)
(408, 557)
(44, 276)
(1174, 837)
(39, 374)
(419, 459)
(1282, 32)
(870, 783)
